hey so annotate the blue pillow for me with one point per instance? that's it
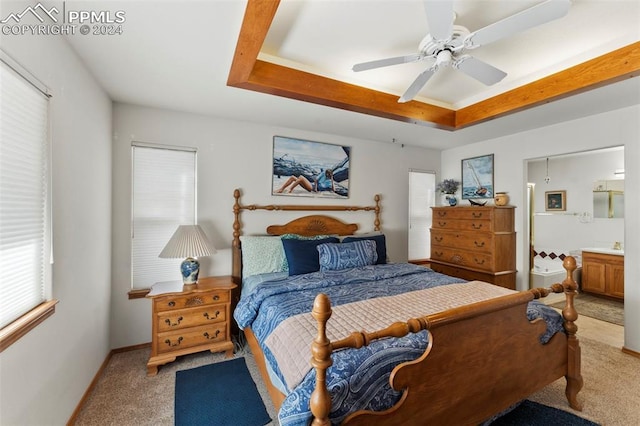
(381, 245)
(347, 255)
(302, 255)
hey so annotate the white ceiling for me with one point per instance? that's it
(177, 55)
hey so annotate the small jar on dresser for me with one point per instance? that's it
(475, 243)
(188, 319)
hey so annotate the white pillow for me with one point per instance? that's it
(262, 254)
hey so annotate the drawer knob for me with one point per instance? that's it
(476, 214)
(479, 244)
(438, 239)
(438, 253)
(216, 297)
(479, 261)
(177, 343)
(172, 303)
(170, 324)
(442, 223)
(476, 225)
(206, 315)
(209, 337)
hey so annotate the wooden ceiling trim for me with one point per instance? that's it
(255, 25)
(606, 69)
(291, 83)
(250, 73)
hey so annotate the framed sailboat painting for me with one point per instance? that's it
(477, 177)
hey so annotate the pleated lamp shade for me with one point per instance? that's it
(188, 241)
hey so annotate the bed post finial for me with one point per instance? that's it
(570, 315)
(320, 402)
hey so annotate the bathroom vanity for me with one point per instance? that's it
(603, 272)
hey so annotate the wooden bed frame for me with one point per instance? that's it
(481, 358)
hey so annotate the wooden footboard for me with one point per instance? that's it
(481, 359)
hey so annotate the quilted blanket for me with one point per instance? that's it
(358, 378)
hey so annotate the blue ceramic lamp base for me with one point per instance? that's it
(190, 269)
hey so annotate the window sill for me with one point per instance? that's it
(138, 293)
(14, 331)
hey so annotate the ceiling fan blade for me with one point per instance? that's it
(439, 18)
(387, 62)
(529, 18)
(479, 70)
(418, 83)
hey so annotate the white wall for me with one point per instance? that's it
(44, 374)
(231, 155)
(615, 128)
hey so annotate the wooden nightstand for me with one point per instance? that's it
(188, 319)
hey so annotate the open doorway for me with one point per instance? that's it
(572, 224)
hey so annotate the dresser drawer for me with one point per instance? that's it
(462, 225)
(179, 319)
(168, 303)
(191, 337)
(469, 259)
(463, 213)
(476, 241)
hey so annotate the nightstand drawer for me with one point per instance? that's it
(177, 340)
(171, 303)
(179, 319)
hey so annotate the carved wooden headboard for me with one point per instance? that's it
(316, 224)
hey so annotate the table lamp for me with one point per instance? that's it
(188, 241)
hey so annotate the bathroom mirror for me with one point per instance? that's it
(608, 199)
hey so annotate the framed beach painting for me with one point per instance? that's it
(477, 177)
(555, 201)
(303, 168)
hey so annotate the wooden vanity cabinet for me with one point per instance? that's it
(603, 274)
(475, 243)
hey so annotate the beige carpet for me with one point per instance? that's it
(126, 396)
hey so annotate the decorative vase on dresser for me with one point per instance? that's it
(190, 318)
(501, 199)
(475, 243)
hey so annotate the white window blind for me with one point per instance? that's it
(24, 188)
(164, 196)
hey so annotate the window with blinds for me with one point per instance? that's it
(164, 197)
(25, 249)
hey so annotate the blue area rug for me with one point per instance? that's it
(219, 394)
(530, 413)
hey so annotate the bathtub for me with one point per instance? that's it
(546, 272)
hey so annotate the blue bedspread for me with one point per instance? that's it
(358, 379)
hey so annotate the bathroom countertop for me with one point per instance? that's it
(604, 250)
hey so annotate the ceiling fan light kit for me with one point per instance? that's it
(446, 43)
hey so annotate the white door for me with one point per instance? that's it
(422, 189)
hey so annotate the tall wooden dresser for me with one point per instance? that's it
(475, 243)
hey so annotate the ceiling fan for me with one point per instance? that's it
(447, 43)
